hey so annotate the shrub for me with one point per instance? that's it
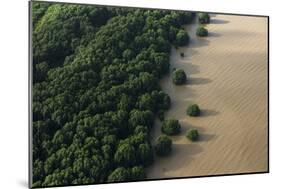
(179, 77)
(193, 110)
(201, 31)
(163, 146)
(204, 18)
(192, 135)
(171, 127)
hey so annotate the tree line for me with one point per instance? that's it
(96, 91)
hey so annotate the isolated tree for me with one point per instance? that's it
(204, 18)
(171, 127)
(193, 110)
(182, 38)
(179, 77)
(192, 135)
(201, 31)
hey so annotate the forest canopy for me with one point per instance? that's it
(96, 91)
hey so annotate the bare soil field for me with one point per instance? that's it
(227, 78)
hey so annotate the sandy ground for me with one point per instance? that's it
(228, 80)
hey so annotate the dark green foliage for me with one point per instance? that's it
(192, 135)
(96, 90)
(179, 77)
(146, 102)
(119, 174)
(59, 29)
(127, 174)
(138, 117)
(171, 127)
(137, 173)
(125, 155)
(141, 129)
(145, 154)
(163, 146)
(193, 110)
(38, 10)
(161, 115)
(201, 31)
(204, 18)
(182, 38)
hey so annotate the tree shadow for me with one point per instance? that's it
(213, 34)
(206, 137)
(190, 149)
(219, 21)
(191, 68)
(198, 81)
(198, 42)
(208, 112)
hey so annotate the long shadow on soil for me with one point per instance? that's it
(208, 112)
(198, 81)
(219, 21)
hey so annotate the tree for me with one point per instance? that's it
(201, 31)
(192, 135)
(163, 145)
(125, 155)
(137, 173)
(107, 151)
(162, 100)
(145, 154)
(118, 175)
(128, 54)
(138, 117)
(126, 103)
(193, 110)
(182, 38)
(204, 18)
(171, 127)
(41, 70)
(146, 102)
(179, 77)
(141, 129)
(109, 140)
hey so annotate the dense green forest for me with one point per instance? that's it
(96, 91)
